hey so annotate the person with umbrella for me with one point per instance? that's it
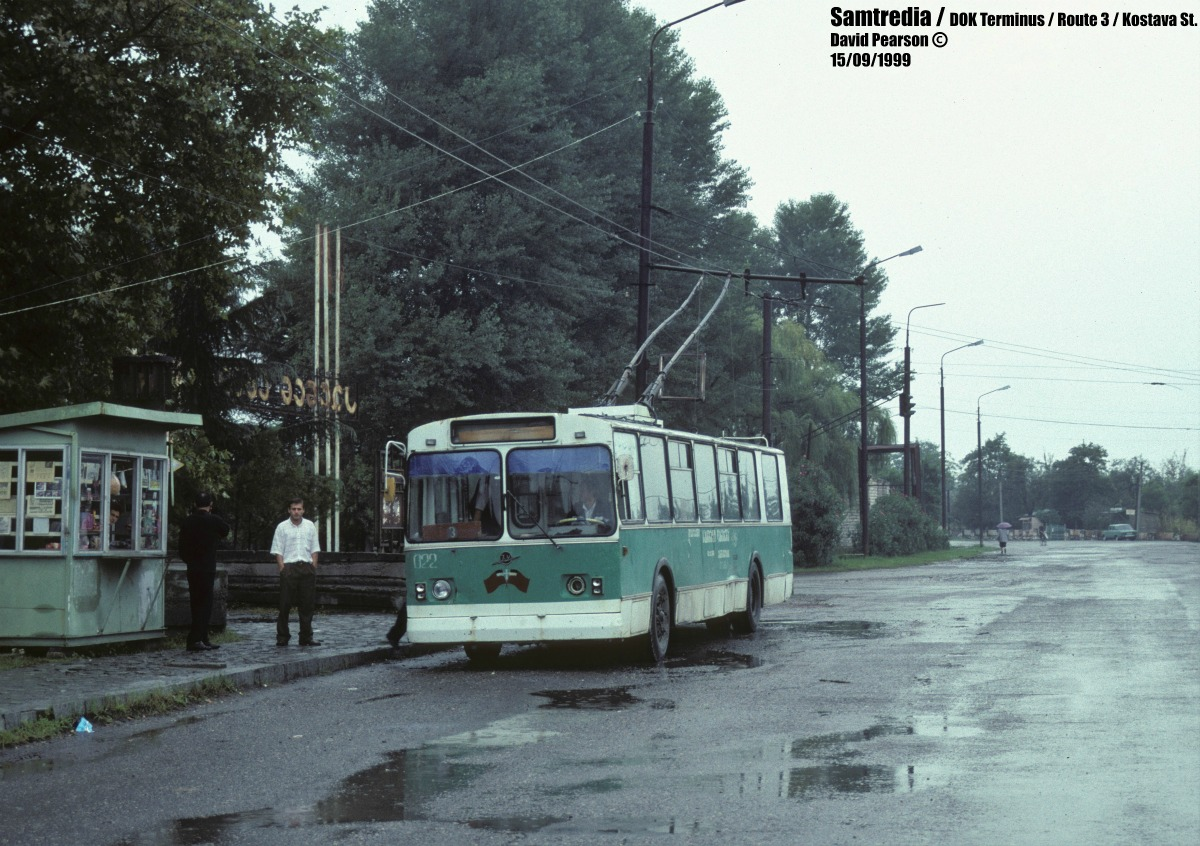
(1002, 535)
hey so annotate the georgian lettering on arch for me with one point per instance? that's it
(298, 393)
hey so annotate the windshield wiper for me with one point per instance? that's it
(526, 515)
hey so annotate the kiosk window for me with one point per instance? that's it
(31, 499)
(150, 507)
(91, 502)
(10, 493)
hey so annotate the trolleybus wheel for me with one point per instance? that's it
(660, 619)
(482, 653)
(746, 621)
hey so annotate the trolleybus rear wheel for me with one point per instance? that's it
(746, 621)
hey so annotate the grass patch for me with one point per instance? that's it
(850, 563)
(153, 704)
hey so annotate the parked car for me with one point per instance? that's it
(1119, 531)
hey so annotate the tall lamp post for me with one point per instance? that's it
(643, 317)
(906, 407)
(979, 454)
(864, 499)
(942, 374)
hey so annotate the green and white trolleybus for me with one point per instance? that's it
(598, 524)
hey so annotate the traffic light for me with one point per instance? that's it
(912, 407)
(903, 405)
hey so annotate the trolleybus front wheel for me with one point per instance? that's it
(482, 653)
(660, 619)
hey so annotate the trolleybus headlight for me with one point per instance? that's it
(441, 589)
(597, 587)
(576, 585)
(419, 591)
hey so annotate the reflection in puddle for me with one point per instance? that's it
(405, 786)
(602, 699)
(835, 628)
(413, 784)
(846, 778)
(720, 659)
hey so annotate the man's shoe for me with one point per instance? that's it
(394, 641)
(310, 643)
(281, 643)
(208, 645)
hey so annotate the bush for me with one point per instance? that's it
(900, 527)
(816, 522)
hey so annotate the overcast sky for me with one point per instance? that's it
(1051, 175)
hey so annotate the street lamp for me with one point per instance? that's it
(643, 317)
(979, 454)
(942, 373)
(864, 504)
(906, 396)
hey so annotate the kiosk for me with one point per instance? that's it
(84, 491)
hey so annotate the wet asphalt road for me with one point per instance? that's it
(1050, 697)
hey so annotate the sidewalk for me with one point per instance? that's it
(78, 686)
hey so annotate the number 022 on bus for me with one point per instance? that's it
(592, 525)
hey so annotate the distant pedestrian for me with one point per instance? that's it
(198, 538)
(295, 548)
(1042, 535)
(1002, 536)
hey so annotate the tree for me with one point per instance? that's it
(484, 164)
(139, 141)
(1079, 487)
(1007, 480)
(817, 237)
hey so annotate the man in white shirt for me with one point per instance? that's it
(295, 548)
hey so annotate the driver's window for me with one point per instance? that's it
(560, 492)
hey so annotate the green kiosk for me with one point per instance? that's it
(84, 491)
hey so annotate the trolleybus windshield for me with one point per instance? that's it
(454, 496)
(560, 491)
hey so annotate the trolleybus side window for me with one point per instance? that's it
(731, 508)
(749, 485)
(629, 470)
(772, 492)
(654, 479)
(706, 483)
(454, 496)
(683, 486)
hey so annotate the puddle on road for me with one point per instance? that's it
(806, 782)
(835, 628)
(408, 784)
(602, 699)
(717, 658)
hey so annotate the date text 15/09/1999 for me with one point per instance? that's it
(871, 60)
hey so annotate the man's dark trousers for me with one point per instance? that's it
(298, 587)
(200, 596)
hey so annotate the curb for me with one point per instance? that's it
(243, 676)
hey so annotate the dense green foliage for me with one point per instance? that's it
(900, 527)
(1080, 491)
(817, 512)
(482, 162)
(139, 141)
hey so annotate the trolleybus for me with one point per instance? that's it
(597, 524)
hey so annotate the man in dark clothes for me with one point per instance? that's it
(198, 539)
